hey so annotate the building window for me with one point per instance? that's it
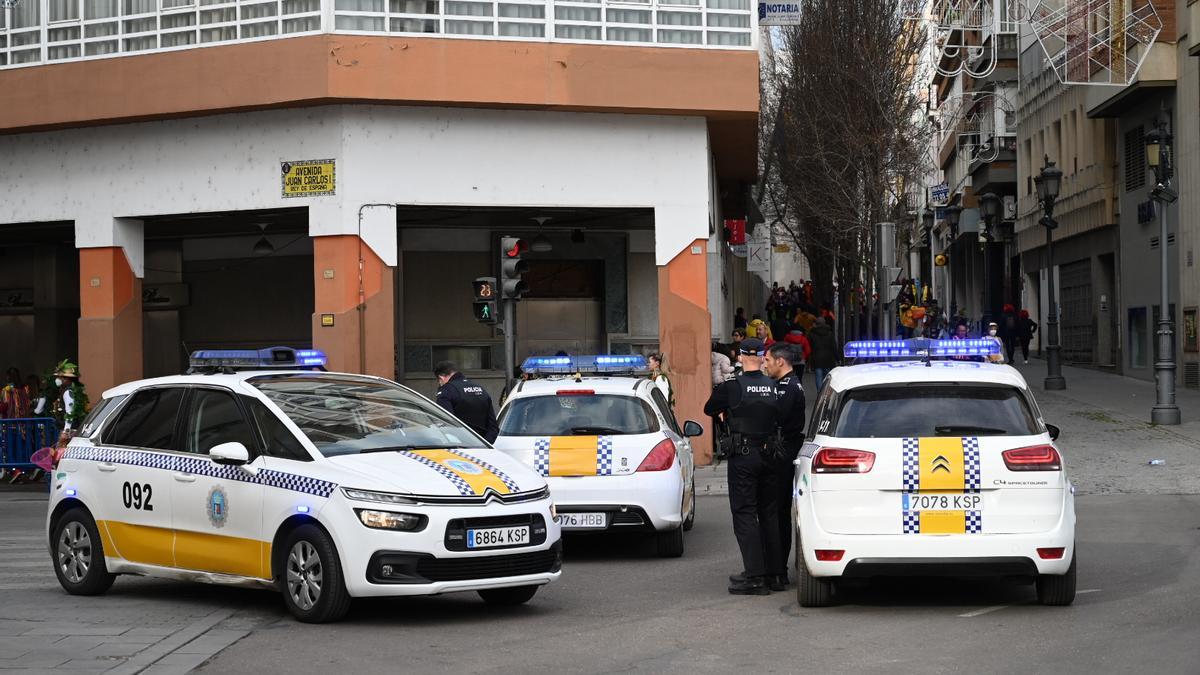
(1135, 159)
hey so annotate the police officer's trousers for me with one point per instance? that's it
(754, 501)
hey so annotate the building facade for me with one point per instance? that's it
(335, 175)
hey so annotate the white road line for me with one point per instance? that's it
(985, 610)
(1087, 590)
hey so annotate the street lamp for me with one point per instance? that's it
(953, 213)
(1158, 156)
(1048, 183)
(989, 207)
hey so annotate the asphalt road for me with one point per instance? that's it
(620, 609)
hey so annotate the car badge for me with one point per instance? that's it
(463, 466)
(218, 507)
(940, 463)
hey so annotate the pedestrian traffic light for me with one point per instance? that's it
(485, 299)
(512, 286)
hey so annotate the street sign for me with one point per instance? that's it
(308, 178)
(758, 257)
(940, 192)
(778, 13)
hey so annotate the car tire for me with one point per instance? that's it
(312, 581)
(669, 543)
(1057, 589)
(78, 554)
(810, 591)
(691, 519)
(508, 597)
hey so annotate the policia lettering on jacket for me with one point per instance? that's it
(752, 405)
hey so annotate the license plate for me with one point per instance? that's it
(941, 502)
(582, 521)
(497, 536)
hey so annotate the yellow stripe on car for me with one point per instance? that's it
(574, 455)
(941, 462)
(477, 476)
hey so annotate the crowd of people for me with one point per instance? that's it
(59, 395)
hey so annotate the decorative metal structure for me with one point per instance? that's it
(972, 116)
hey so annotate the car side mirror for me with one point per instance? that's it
(692, 429)
(231, 454)
(1053, 431)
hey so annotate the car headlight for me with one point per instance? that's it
(382, 497)
(388, 520)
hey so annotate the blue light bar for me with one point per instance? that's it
(567, 365)
(271, 357)
(920, 347)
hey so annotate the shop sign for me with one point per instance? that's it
(16, 298)
(758, 257)
(308, 178)
(778, 13)
(165, 296)
(941, 192)
(740, 250)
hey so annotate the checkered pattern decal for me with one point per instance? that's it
(974, 522)
(504, 478)
(541, 456)
(912, 522)
(911, 448)
(204, 467)
(463, 487)
(604, 456)
(972, 480)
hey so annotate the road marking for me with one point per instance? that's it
(1088, 590)
(985, 610)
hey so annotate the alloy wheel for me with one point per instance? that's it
(304, 575)
(74, 552)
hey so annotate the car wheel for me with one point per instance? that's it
(508, 597)
(314, 588)
(1057, 589)
(669, 543)
(79, 555)
(691, 519)
(810, 591)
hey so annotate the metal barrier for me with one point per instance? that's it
(20, 438)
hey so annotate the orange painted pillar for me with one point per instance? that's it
(110, 320)
(361, 307)
(684, 334)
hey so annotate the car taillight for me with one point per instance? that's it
(839, 460)
(1033, 458)
(829, 554)
(1051, 553)
(660, 458)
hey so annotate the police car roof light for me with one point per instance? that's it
(256, 359)
(591, 364)
(920, 347)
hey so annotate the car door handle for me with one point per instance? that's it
(184, 477)
(107, 467)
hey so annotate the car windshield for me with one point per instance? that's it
(342, 415)
(915, 411)
(578, 415)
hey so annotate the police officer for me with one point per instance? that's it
(779, 363)
(466, 400)
(752, 407)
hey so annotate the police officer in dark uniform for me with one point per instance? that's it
(752, 406)
(778, 363)
(466, 400)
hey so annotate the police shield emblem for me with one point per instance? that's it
(217, 507)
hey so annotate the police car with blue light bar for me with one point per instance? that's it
(922, 461)
(259, 469)
(606, 440)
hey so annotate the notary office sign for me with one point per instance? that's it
(308, 177)
(778, 13)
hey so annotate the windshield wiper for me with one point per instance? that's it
(409, 448)
(585, 431)
(952, 429)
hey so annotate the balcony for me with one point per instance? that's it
(52, 31)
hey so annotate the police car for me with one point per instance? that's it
(607, 442)
(253, 470)
(921, 466)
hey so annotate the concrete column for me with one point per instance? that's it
(355, 289)
(684, 326)
(110, 322)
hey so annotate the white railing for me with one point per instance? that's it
(46, 31)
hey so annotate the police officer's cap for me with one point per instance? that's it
(751, 347)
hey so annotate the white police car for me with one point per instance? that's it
(608, 443)
(325, 486)
(931, 467)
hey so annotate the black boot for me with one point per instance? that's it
(749, 586)
(777, 582)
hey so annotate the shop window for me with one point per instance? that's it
(1139, 338)
(465, 358)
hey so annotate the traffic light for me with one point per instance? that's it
(512, 286)
(485, 299)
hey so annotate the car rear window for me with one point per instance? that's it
(909, 411)
(578, 415)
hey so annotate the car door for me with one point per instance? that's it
(217, 508)
(133, 457)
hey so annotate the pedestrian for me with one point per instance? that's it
(1026, 327)
(14, 399)
(824, 353)
(993, 333)
(660, 375)
(722, 367)
(801, 349)
(1009, 330)
(759, 329)
(752, 406)
(466, 400)
(71, 405)
(739, 318)
(36, 392)
(780, 366)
